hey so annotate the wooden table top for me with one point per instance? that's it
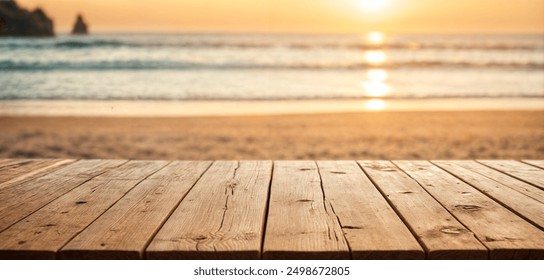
(121, 209)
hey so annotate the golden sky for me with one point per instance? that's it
(353, 16)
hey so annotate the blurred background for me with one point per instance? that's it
(272, 79)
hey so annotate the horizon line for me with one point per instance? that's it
(260, 32)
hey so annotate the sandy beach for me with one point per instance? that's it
(369, 135)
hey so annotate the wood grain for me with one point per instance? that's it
(222, 217)
(301, 222)
(42, 234)
(25, 170)
(372, 229)
(117, 209)
(11, 169)
(505, 234)
(442, 236)
(506, 180)
(525, 172)
(23, 198)
(537, 163)
(124, 230)
(517, 202)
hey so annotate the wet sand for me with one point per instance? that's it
(369, 135)
(222, 108)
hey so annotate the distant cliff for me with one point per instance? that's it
(15, 21)
(80, 27)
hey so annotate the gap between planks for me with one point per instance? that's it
(43, 233)
(505, 234)
(125, 230)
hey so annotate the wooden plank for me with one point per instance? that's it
(222, 217)
(527, 173)
(301, 223)
(503, 232)
(10, 161)
(506, 180)
(442, 236)
(23, 198)
(11, 168)
(537, 163)
(15, 168)
(42, 234)
(125, 230)
(372, 229)
(24, 170)
(515, 201)
(6, 161)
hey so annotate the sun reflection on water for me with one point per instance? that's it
(376, 57)
(375, 84)
(375, 105)
(377, 75)
(376, 89)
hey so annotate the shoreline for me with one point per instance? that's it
(121, 108)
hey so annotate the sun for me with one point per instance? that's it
(375, 38)
(373, 5)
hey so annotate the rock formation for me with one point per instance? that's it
(16, 21)
(80, 27)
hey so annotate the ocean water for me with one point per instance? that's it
(271, 67)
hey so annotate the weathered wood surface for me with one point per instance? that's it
(506, 235)
(23, 198)
(42, 234)
(117, 209)
(537, 163)
(372, 229)
(440, 233)
(517, 202)
(301, 222)
(124, 231)
(501, 178)
(221, 218)
(15, 170)
(525, 172)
